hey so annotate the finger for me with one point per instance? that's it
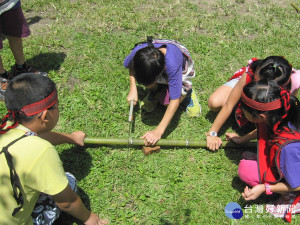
(145, 135)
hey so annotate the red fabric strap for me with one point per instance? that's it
(288, 215)
(261, 106)
(40, 106)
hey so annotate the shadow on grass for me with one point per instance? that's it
(156, 116)
(76, 161)
(33, 20)
(47, 61)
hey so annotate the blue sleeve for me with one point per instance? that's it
(129, 58)
(174, 62)
(290, 164)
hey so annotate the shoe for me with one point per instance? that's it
(4, 82)
(249, 155)
(26, 69)
(193, 109)
(72, 181)
(149, 103)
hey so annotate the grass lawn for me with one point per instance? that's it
(82, 45)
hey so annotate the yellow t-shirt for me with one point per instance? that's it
(39, 168)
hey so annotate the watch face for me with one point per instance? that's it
(213, 134)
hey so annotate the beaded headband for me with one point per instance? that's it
(269, 106)
(40, 106)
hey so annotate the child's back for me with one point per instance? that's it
(39, 168)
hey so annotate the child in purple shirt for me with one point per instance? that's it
(160, 68)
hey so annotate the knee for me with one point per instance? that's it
(214, 104)
(248, 172)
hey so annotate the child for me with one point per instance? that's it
(31, 171)
(160, 66)
(276, 114)
(273, 68)
(14, 27)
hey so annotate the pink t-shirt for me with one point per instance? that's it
(295, 77)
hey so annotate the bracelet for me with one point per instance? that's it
(268, 190)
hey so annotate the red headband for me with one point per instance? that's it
(261, 106)
(40, 106)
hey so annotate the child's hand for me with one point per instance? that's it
(95, 220)
(234, 137)
(132, 96)
(213, 143)
(151, 137)
(78, 138)
(254, 193)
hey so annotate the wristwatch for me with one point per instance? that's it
(213, 134)
(268, 190)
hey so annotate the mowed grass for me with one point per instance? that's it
(82, 45)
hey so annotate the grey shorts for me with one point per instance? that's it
(232, 82)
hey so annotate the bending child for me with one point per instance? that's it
(34, 186)
(228, 96)
(276, 169)
(165, 71)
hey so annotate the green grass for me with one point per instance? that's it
(82, 45)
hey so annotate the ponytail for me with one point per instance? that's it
(9, 115)
(276, 68)
(285, 103)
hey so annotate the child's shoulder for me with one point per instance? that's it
(29, 143)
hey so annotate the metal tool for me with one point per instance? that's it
(130, 120)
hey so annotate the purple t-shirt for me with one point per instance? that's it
(174, 64)
(290, 164)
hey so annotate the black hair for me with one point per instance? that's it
(255, 64)
(26, 89)
(148, 65)
(265, 91)
(276, 68)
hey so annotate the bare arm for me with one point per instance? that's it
(56, 138)
(241, 139)
(69, 202)
(133, 94)
(214, 143)
(151, 137)
(256, 191)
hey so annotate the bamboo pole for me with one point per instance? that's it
(162, 142)
(295, 7)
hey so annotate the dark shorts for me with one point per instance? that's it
(13, 23)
